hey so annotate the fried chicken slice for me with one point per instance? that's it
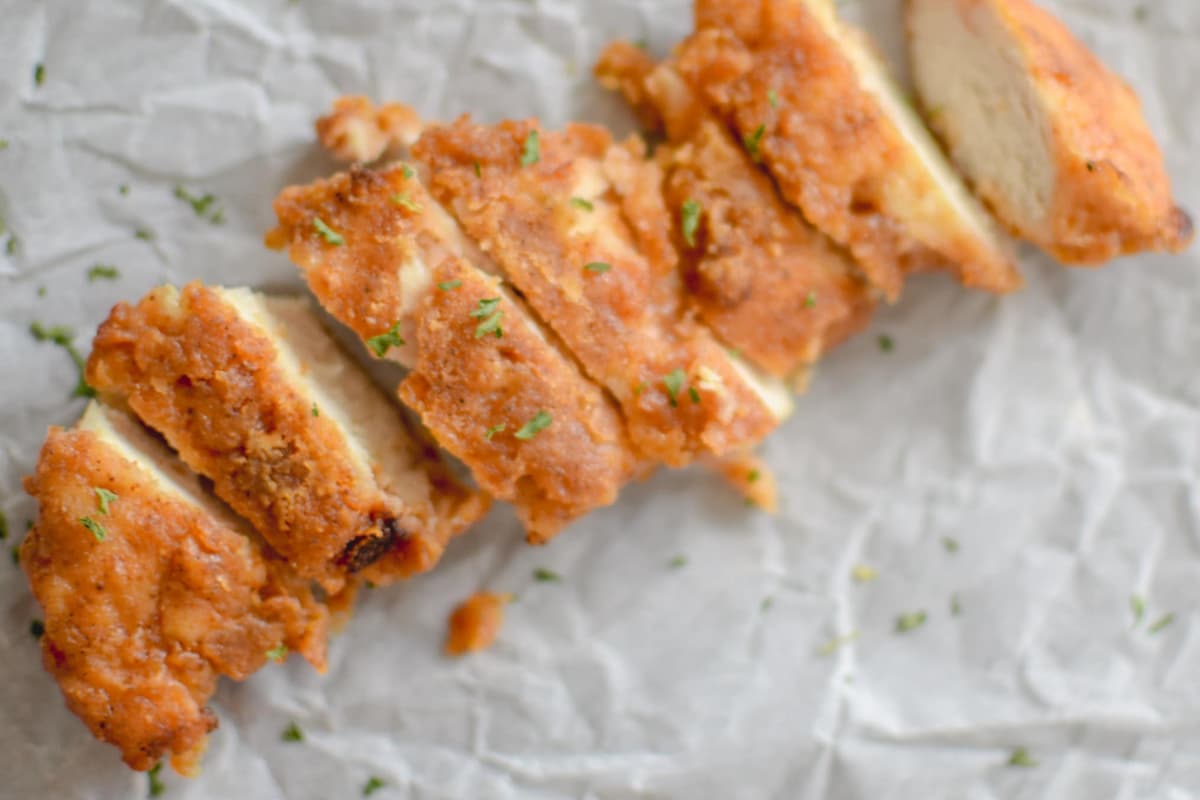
(482, 367)
(255, 395)
(762, 279)
(544, 206)
(1052, 140)
(151, 590)
(358, 132)
(810, 99)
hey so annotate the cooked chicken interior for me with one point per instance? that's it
(810, 99)
(482, 367)
(255, 395)
(542, 204)
(1052, 140)
(151, 590)
(763, 279)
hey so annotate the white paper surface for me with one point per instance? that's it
(1055, 435)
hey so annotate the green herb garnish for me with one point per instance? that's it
(105, 272)
(835, 644)
(580, 202)
(910, 621)
(104, 498)
(753, 141)
(678, 562)
(546, 576)
(123, 189)
(674, 382)
(533, 150)
(64, 337)
(773, 98)
(492, 431)
(1138, 606)
(292, 733)
(1161, 622)
(1020, 758)
(863, 573)
(3, 526)
(200, 203)
(386, 341)
(694, 394)
(39, 74)
(143, 234)
(96, 528)
(278, 653)
(491, 314)
(955, 606)
(886, 344)
(403, 200)
(810, 300)
(446, 286)
(752, 476)
(316, 412)
(406, 171)
(767, 603)
(689, 215)
(331, 236)
(950, 543)
(372, 785)
(541, 420)
(598, 266)
(478, 170)
(157, 787)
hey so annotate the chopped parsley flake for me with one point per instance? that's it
(39, 74)
(104, 498)
(201, 205)
(689, 216)
(753, 141)
(447, 286)
(1161, 622)
(331, 236)
(37, 628)
(478, 170)
(157, 787)
(950, 543)
(278, 653)
(767, 603)
(3, 526)
(773, 98)
(316, 412)
(674, 383)
(533, 150)
(598, 266)
(372, 785)
(105, 272)
(10, 247)
(1020, 758)
(64, 337)
(541, 420)
(1137, 605)
(1141, 13)
(694, 394)
(123, 189)
(580, 202)
(752, 476)
(955, 606)
(910, 621)
(863, 573)
(143, 234)
(406, 171)
(15, 552)
(492, 431)
(546, 576)
(3, 144)
(386, 341)
(810, 300)
(679, 561)
(491, 314)
(403, 200)
(96, 528)
(292, 733)
(886, 344)
(836, 643)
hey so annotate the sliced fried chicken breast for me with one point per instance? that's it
(151, 590)
(810, 99)
(1051, 139)
(543, 205)
(763, 279)
(255, 395)
(482, 366)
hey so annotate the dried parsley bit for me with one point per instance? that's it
(910, 621)
(863, 573)
(3, 526)
(386, 341)
(491, 314)
(950, 543)
(15, 552)
(292, 733)
(1137, 604)
(752, 476)
(330, 235)
(406, 202)
(689, 218)
(811, 300)
(674, 381)
(3, 144)
(201, 204)
(532, 153)
(96, 528)
(10, 248)
(752, 142)
(316, 412)
(1161, 622)
(886, 344)
(836, 643)
(694, 394)
(39, 74)
(1020, 758)
(773, 98)
(143, 234)
(541, 420)
(372, 785)
(955, 605)
(767, 603)
(546, 576)
(64, 337)
(406, 171)
(123, 189)
(37, 628)
(446, 286)
(492, 431)
(157, 787)
(105, 272)
(598, 266)
(583, 203)
(103, 498)
(278, 653)
(678, 562)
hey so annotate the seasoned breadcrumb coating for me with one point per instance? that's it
(149, 595)
(356, 131)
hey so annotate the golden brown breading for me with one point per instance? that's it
(810, 98)
(540, 203)
(356, 131)
(765, 281)
(461, 385)
(145, 609)
(293, 437)
(478, 394)
(1053, 140)
(476, 622)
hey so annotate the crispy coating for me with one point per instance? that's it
(358, 132)
(477, 393)
(776, 72)
(1111, 193)
(475, 623)
(761, 277)
(139, 626)
(554, 226)
(387, 272)
(752, 478)
(211, 381)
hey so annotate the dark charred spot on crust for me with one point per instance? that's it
(363, 551)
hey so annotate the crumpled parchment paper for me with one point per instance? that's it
(1029, 462)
